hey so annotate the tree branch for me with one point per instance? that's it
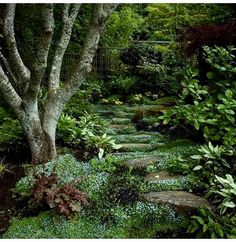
(16, 62)
(68, 20)
(99, 16)
(8, 68)
(57, 99)
(9, 93)
(40, 63)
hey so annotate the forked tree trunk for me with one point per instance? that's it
(41, 139)
(40, 129)
(42, 148)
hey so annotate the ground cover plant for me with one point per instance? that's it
(117, 121)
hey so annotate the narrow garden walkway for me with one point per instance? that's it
(150, 152)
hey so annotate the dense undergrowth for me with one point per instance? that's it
(93, 194)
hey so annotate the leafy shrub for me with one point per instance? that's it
(90, 91)
(87, 134)
(137, 98)
(74, 170)
(67, 129)
(108, 164)
(209, 108)
(12, 138)
(91, 124)
(205, 225)
(53, 185)
(122, 85)
(225, 189)
(206, 161)
(66, 199)
(4, 168)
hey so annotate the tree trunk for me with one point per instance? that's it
(42, 148)
(41, 139)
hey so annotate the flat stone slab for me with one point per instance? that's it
(120, 126)
(136, 147)
(141, 162)
(162, 175)
(120, 120)
(133, 138)
(180, 199)
(124, 115)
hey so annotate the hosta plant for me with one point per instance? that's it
(226, 190)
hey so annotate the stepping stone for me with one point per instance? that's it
(162, 175)
(136, 147)
(124, 115)
(141, 162)
(120, 121)
(121, 129)
(165, 181)
(183, 201)
(136, 138)
(120, 126)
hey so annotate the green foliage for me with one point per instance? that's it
(166, 19)
(205, 225)
(67, 130)
(88, 133)
(108, 164)
(213, 108)
(225, 188)
(91, 124)
(122, 85)
(4, 168)
(101, 143)
(140, 220)
(51, 226)
(143, 220)
(66, 199)
(74, 170)
(205, 162)
(180, 184)
(120, 27)
(12, 138)
(91, 90)
(137, 98)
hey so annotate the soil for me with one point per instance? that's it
(10, 204)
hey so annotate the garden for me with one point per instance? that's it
(117, 121)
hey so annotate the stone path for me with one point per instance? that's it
(140, 150)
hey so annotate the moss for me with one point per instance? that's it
(143, 220)
(140, 137)
(179, 184)
(140, 220)
(50, 226)
(73, 171)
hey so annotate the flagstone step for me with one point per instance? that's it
(122, 114)
(136, 147)
(141, 162)
(180, 199)
(120, 121)
(165, 181)
(121, 129)
(136, 138)
(162, 175)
